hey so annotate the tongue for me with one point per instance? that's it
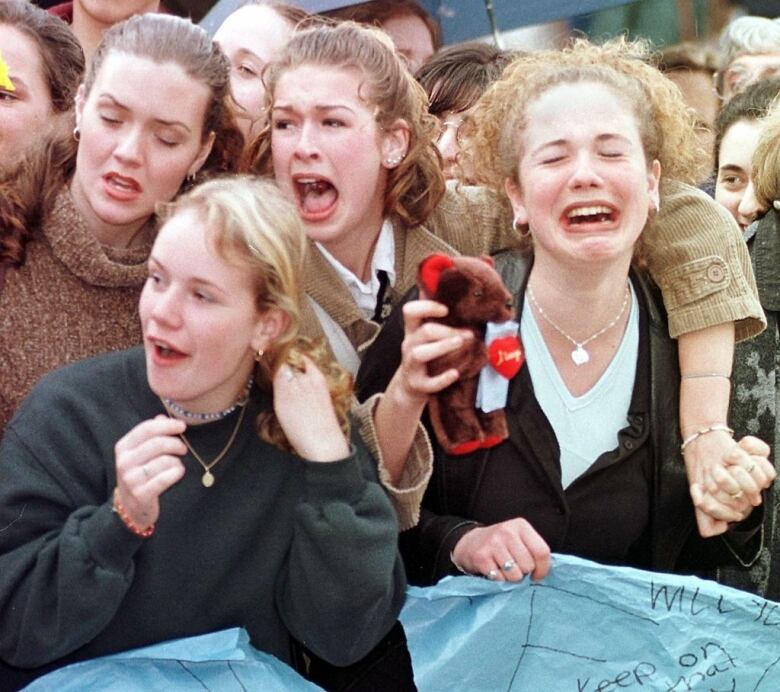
(318, 198)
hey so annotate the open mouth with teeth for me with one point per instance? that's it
(165, 352)
(316, 197)
(580, 217)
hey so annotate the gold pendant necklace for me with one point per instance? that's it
(208, 478)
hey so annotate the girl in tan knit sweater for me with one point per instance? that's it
(77, 217)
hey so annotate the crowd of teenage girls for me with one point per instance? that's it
(214, 360)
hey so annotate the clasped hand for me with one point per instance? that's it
(726, 479)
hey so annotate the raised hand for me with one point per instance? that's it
(147, 464)
(424, 342)
(305, 411)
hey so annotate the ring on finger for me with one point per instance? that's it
(508, 565)
(492, 575)
(146, 471)
(752, 467)
(737, 494)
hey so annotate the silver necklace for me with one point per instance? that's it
(579, 355)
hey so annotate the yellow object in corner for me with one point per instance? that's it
(5, 79)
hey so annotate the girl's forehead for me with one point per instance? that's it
(323, 84)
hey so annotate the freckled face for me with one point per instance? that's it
(585, 186)
(24, 111)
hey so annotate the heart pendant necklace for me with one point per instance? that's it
(580, 355)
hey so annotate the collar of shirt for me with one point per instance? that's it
(365, 294)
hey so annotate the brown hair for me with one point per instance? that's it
(751, 104)
(165, 38)
(689, 55)
(414, 187)
(24, 200)
(457, 76)
(252, 225)
(378, 12)
(60, 52)
(28, 188)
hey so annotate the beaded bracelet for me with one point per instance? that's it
(717, 427)
(127, 521)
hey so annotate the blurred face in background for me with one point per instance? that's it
(109, 12)
(25, 102)
(746, 69)
(412, 39)
(251, 37)
(699, 93)
(734, 184)
(448, 144)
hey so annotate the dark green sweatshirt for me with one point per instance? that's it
(278, 545)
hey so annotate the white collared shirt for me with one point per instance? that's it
(365, 294)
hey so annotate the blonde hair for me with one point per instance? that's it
(766, 159)
(414, 187)
(666, 125)
(252, 225)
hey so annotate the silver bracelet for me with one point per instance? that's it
(717, 427)
(699, 375)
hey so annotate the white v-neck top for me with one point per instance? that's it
(585, 426)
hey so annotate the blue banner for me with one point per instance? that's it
(584, 628)
(590, 628)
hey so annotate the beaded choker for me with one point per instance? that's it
(215, 415)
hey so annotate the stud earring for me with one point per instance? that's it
(776, 204)
(190, 177)
(76, 133)
(393, 161)
(259, 354)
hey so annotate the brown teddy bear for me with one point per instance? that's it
(473, 292)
